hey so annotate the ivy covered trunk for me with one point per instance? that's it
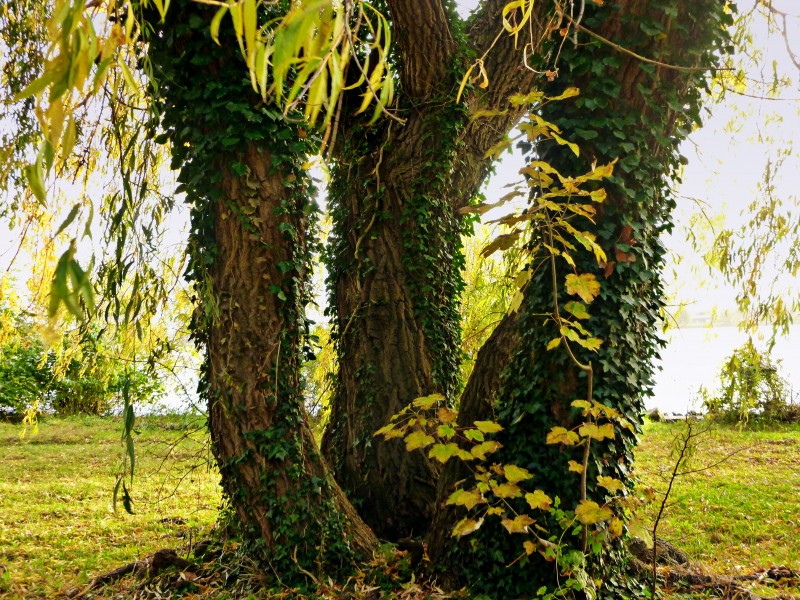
(239, 164)
(635, 113)
(395, 259)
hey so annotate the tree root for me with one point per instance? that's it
(677, 571)
(150, 566)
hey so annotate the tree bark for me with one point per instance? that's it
(396, 255)
(249, 265)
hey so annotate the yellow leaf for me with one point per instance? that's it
(428, 401)
(554, 343)
(469, 499)
(446, 415)
(481, 450)
(597, 432)
(466, 526)
(611, 484)
(488, 426)
(529, 546)
(615, 527)
(515, 474)
(575, 466)
(567, 93)
(586, 286)
(589, 512)
(518, 524)
(560, 435)
(539, 500)
(581, 404)
(505, 490)
(418, 439)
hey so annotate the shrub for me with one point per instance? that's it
(752, 387)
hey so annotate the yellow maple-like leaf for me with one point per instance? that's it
(505, 490)
(518, 524)
(575, 466)
(418, 439)
(539, 500)
(611, 484)
(467, 498)
(466, 526)
(488, 426)
(561, 435)
(446, 415)
(515, 474)
(589, 512)
(615, 527)
(597, 432)
(443, 452)
(585, 286)
(481, 450)
(530, 547)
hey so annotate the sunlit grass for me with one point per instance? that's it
(57, 524)
(743, 513)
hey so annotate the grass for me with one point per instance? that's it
(57, 524)
(739, 515)
(58, 529)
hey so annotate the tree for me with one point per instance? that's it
(400, 186)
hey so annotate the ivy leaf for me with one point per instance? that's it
(515, 474)
(589, 512)
(586, 286)
(611, 484)
(575, 466)
(418, 439)
(561, 435)
(597, 432)
(466, 526)
(481, 450)
(443, 452)
(539, 500)
(518, 524)
(469, 499)
(488, 426)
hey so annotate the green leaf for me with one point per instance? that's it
(70, 218)
(474, 435)
(443, 452)
(577, 309)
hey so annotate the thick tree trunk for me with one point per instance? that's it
(396, 254)
(271, 468)
(631, 111)
(249, 266)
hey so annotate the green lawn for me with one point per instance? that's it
(58, 529)
(57, 524)
(737, 516)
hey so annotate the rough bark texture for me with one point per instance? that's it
(397, 256)
(260, 436)
(536, 388)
